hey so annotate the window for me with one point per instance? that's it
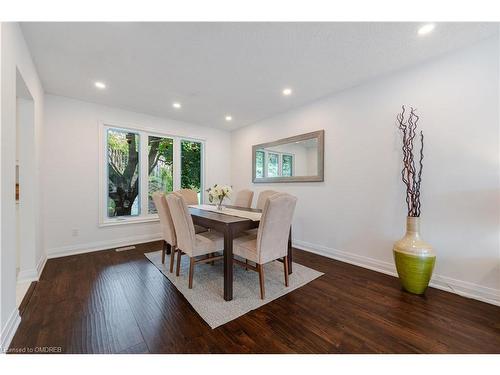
(136, 163)
(259, 163)
(286, 165)
(191, 166)
(276, 164)
(123, 173)
(272, 164)
(160, 167)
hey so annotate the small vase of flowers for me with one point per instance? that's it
(217, 193)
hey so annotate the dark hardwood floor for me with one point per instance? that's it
(118, 302)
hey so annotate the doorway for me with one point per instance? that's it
(26, 271)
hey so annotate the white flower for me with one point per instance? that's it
(217, 193)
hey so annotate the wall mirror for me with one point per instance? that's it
(294, 159)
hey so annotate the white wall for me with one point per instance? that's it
(71, 173)
(359, 211)
(15, 55)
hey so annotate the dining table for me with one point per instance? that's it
(230, 226)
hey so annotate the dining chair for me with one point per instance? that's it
(271, 241)
(261, 201)
(190, 243)
(243, 198)
(167, 226)
(263, 195)
(191, 197)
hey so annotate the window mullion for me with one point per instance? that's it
(143, 170)
(177, 163)
(265, 163)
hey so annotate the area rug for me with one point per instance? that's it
(207, 299)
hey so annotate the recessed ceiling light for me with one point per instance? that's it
(229, 118)
(426, 29)
(176, 105)
(287, 91)
(100, 85)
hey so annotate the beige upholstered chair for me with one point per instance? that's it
(191, 197)
(188, 241)
(271, 241)
(244, 198)
(263, 195)
(167, 226)
(261, 201)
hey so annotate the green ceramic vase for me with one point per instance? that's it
(414, 258)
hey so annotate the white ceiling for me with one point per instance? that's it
(218, 68)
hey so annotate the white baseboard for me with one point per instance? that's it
(32, 274)
(100, 245)
(41, 265)
(25, 276)
(9, 330)
(448, 284)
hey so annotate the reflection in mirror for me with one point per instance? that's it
(298, 158)
(294, 159)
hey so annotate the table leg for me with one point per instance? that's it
(228, 264)
(290, 252)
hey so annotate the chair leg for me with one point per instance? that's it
(191, 271)
(163, 252)
(260, 269)
(285, 267)
(179, 255)
(210, 255)
(172, 256)
(246, 262)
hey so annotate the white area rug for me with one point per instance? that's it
(207, 297)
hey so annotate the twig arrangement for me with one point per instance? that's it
(412, 177)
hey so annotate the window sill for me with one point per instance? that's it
(137, 220)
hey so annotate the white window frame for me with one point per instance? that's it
(143, 132)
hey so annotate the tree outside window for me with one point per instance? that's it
(161, 171)
(138, 164)
(191, 166)
(123, 173)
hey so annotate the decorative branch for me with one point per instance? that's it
(411, 176)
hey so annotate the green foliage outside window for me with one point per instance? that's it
(191, 165)
(161, 173)
(259, 163)
(287, 165)
(123, 169)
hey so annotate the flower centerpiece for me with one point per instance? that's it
(217, 193)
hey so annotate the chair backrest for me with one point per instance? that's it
(166, 223)
(244, 198)
(263, 195)
(183, 223)
(190, 196)
(274, 228)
